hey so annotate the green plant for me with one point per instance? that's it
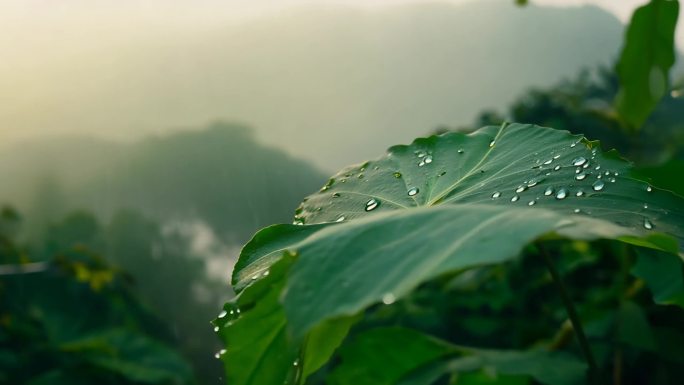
(504, 208)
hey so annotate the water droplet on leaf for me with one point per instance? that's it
(372, 204)
(648, 225)
(413, 191)
(578, 161)
(388, 299)
(561, 194)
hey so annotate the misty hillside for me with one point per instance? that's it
(334, 85)
(219, 175)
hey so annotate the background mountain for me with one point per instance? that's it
(331, 84)
(220, 176)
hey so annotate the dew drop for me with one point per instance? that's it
(579, 193)
(578, 170)
(295, 363)
(520, 189)
(232, 312)
(397, 175)
(597, 167)
(340, 218)
(548, 191)
(515, 198)
(336, 195)
(388, 299)
(556, 168)
(266, 273)
(607, 173)
(413, 191)
(649, 188)
(548, 161)
(496, 194)
(598, 185)
(531, 203)
(372, 204)
(492, 143)
(532, 183)
(223, 314)
(586, 165)
(428, 159)
(561, 194)
(573, 144)
(645, 205)
(460, 151)
(580, 176)
(612, 180)
(576, 211)
(647, 224)
(216, 329)
(579, 161)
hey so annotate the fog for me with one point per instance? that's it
(333, 82)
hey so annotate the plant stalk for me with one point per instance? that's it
(572, 314)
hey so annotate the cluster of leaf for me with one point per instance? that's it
(139, 247)
(510, 255)
(73, 319)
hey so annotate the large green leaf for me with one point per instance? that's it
(407, 357)
(444, 203)
(514, 165)
(648, 55)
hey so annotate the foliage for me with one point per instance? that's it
(646, 59)
(71, 318)
(583, 106)
(445, 212)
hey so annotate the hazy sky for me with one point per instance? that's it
(42, 41)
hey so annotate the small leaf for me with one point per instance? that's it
(648, 55)
(383, 356)
(408, 357)
(253, 328)
(664, 275)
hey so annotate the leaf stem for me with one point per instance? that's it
(572, 314)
